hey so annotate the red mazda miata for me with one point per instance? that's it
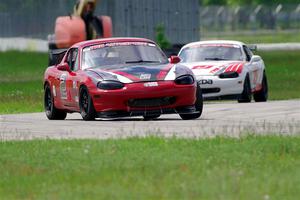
(119, 77)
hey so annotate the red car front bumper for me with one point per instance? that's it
(136, 98)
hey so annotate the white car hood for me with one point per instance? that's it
(213, 68)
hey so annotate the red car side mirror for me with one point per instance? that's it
(174, 59)
(64, 67)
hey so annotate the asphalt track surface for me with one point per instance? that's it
(225, 118)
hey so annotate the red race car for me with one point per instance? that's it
(119, 77)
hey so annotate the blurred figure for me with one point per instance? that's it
(93, 25)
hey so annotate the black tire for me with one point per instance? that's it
(51, 58)
(262, 95)
(198, 105)
(52, 113)
(246, 95)
(86, 105)
(52, 46)
(151, 117)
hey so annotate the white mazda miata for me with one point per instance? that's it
(227, 70)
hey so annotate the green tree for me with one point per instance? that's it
(161, 39)
(213, 2)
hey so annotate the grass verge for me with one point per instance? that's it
(21, 79)
(283, 71)
(255, 38)
(152, 168)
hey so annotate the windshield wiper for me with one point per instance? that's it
(215, 59)
(142, 61)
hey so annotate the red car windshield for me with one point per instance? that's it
(104, 55)
(211, 52)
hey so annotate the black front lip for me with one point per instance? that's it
(119, 114)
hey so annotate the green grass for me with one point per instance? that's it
(21, 79)
(283, 71)
(152, 168)
(255, 38)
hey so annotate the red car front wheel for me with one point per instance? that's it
(86, 105)
(52, 113)
(198, 106)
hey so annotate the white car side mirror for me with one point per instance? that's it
(252, 47)
(255, 58)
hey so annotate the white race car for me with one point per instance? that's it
(226, 70)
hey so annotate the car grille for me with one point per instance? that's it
(154, 102)
(210, 90)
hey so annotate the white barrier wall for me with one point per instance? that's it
(23, 44)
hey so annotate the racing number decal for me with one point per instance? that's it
(205, 82)
(63, 86)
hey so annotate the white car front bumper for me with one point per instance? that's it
(215, 87)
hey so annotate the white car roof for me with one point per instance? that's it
(233, 42)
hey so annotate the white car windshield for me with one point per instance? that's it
(104, 55)
(211, 52)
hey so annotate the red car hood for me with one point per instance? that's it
(133, 73)
(213, 68)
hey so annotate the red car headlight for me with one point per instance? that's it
(185, 80)
(110, 85)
